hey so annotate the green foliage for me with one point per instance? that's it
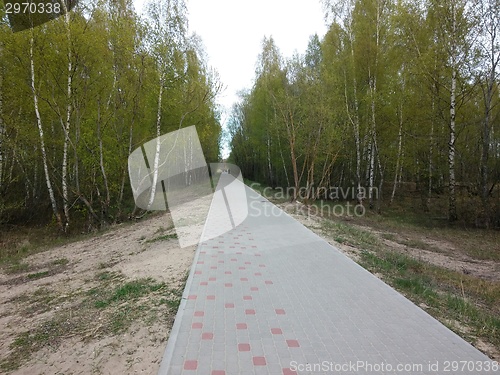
(369, 105)
(116, 64)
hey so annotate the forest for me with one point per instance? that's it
(79, 93)
(398, 97)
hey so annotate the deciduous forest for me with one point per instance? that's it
(398, 96)
(79, 93)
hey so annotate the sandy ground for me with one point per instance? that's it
(130, 251)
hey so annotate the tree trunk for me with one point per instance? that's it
(158, 146)
(283, 162)
(105, 203)
(355, 122)
(269, 165)
(42, 142)
(452, 203)
(400, 146)
(66, 127)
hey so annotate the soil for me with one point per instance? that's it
(68, 272)
(57, 280)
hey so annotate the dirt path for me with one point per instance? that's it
(99, 306)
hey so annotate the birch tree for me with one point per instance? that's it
(41, 132)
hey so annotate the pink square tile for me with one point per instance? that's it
(276, 331)
(292, 343)
(243, 347)
(241, 326)
(228, 285)
(190, 365)
(258, 274)
(213, 267)
(197, 325)
(192, 296)
(207, 336)
(268, 282)
(248, 262)
(218, 372)
(212, 279)
(247, 298)
(287, 371)
(211, 297)
(244, 279)
(197, 272)
(234, 260)
(262, 265)
(199, 313)
(259, 361)
(280, 311)
(228, 273)
(204, 283)
(250, 311)
(241, 268)
(254, 289)
(201, 262)
(229, 305)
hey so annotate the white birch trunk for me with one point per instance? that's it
(67, 125)
(158, 147)
(400, 146)
(40, 132)
(452, 205)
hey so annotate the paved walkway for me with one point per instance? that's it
(271, 297)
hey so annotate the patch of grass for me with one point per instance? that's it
(18, 267)
(109, 308)
(417, 286)
(109, 276)
(472, 302)
(389, 237)
(104, 265)
(128, 291)
(49, 333)
(38, 275)
(60, 262)
(164, 237)
(351, 235)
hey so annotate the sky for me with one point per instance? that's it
(232, 32)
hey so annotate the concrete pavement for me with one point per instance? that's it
(271, 297)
